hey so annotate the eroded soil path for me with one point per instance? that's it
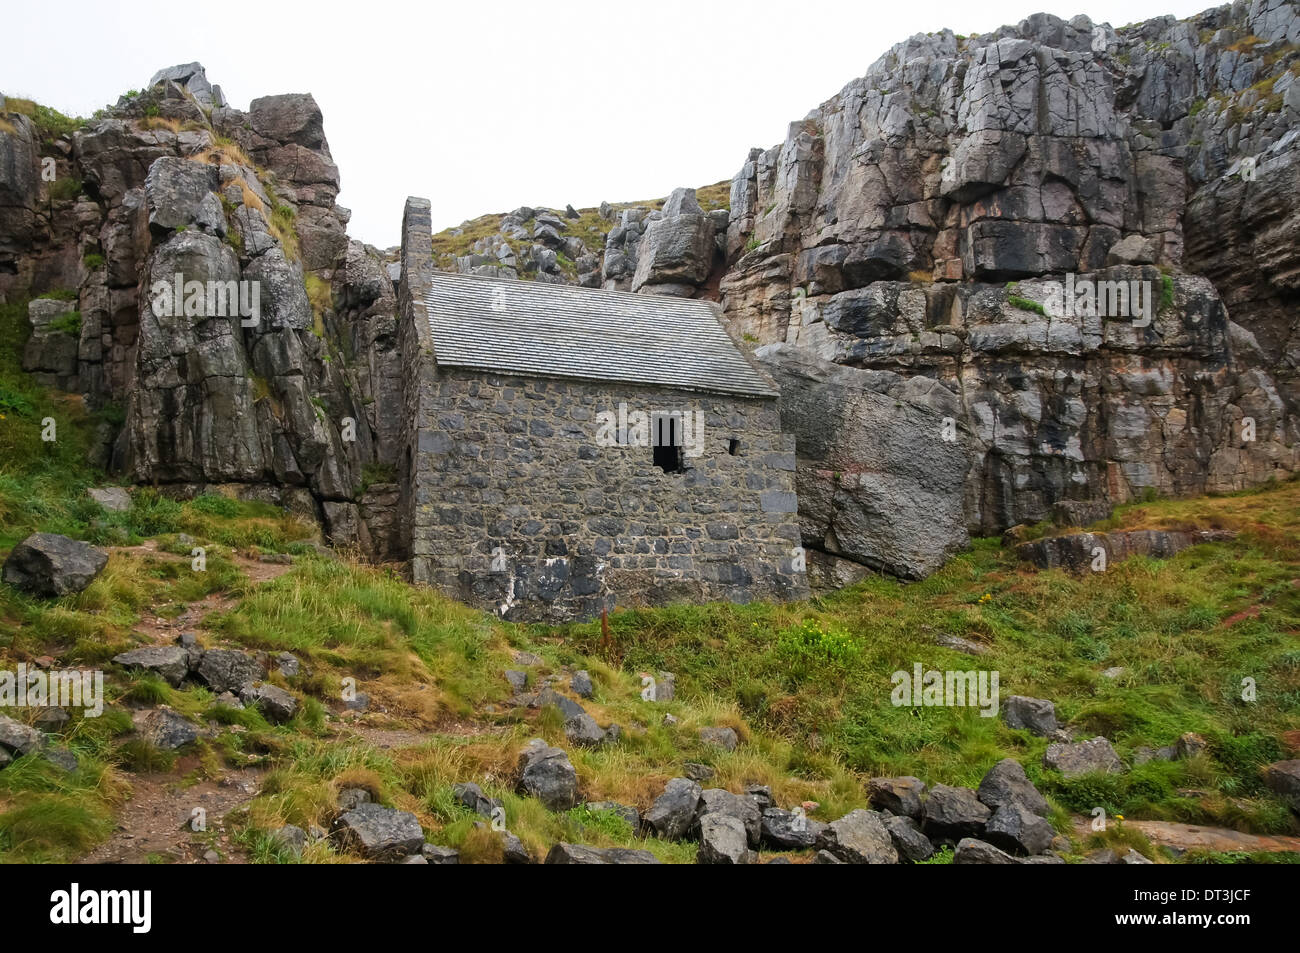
(178, 817)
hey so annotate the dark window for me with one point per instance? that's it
(668, 444)
(733, 446)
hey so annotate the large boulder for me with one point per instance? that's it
(379, 833)
(908, 840)
(46, 564)
(164, 728)
(1283, 778)
(1007, 783)
(973, 851)
(170, 662)
(723, 841)
(1014, 827)
(897, 795)
(859, 837)
(17, 738)
(229, 670)
(563, 853)
(953, 813)
(547, 774)
(1083, 757)
(674, 811)
(1035, 715)
(878, 480)
(786, 830)
(741, 807)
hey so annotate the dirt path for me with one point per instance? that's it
(162, 631)
(155, 823)
(1200, 837)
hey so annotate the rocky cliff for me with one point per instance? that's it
(279, 397)
(898, 262)
(914, 229)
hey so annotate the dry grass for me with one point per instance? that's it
(159, 122)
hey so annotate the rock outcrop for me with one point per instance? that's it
(218, 300)
(926, 224)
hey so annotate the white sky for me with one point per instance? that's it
(484, 106)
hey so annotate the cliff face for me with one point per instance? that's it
(898, 262)
(916, 225)
(281, 397)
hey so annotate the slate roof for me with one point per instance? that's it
(562, 331)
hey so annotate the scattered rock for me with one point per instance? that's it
(1133, 857)
(527, 659)
(360, 701)
(472, 796)
(897, 795)
(49, 565)
(170, 662)
(164, 728)
(61, 758)
(723, 841)
(1015, 828)
(1189, 745)
(275, 704)
(698, 772)
(289, 665)
(673, 812)
(581, 685)
(720, 736)
(1007, 783)
(826, 857)
(958, 644)
(351, 798)
(379, 833)
(436, 854)
(789, 830)
(1281, 777)
(859, 837)
(972, 851)
(953, 813)
(291, 839)
(563, 853)
(1103, 856)
(517, 679)
(414, 859)
(720, 801)
(52, 720)
(229, 670)
(568, 707)
(513, 850)
(583, 731)
(1083, 757)
(908, 840)
(761, 795)
(1035, 715)
(547, 774)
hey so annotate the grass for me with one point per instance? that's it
(50, 123)
(806, 685)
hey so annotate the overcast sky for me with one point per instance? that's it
(482, 107)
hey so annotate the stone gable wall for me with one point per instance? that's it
(519, 508)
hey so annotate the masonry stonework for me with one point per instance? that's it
(524, 499)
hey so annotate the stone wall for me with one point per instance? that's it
(519, 507)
